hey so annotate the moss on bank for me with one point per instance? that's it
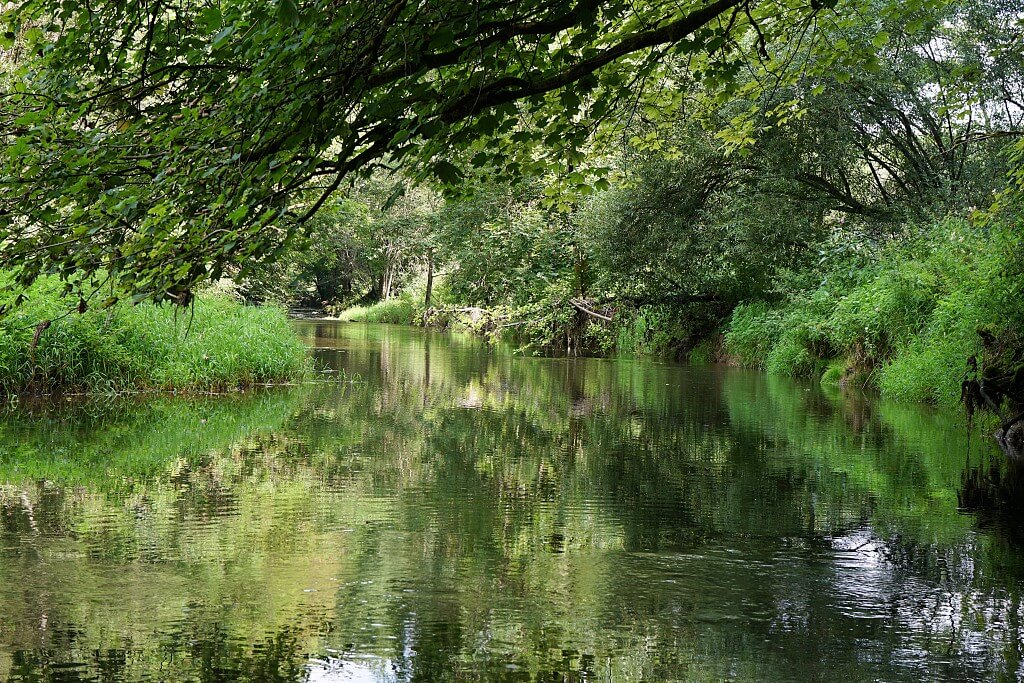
(218, 344)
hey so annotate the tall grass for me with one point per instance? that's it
(216, 345)
(400, 311)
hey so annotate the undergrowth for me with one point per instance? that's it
(906, 324)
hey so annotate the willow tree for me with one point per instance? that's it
(167, 142)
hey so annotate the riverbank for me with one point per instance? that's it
(910, 322)
(219, 344)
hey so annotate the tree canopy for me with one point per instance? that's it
(161, 144)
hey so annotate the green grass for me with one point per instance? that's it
(218, 345)
(833, 375)
(400, 311)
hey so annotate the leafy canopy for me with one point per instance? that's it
(161, 144)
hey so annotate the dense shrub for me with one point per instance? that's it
(883, 313)
(651, 330)
(753, 331)
(983, 295)
(909, 322)
(789, 339)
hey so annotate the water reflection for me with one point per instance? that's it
(443, 510)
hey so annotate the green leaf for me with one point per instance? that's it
(238, 214)
(442, 38)
(222, 37)
(447, 173)
(210, 18)
(287, 12)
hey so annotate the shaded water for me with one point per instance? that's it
(453, 512)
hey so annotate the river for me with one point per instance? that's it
(436, 509)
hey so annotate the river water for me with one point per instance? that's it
(441, 510)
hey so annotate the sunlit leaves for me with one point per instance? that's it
(192, 138)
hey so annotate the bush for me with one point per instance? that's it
(984, 294)
(884, 313)
(652, 330)
(908, 323)
(802, 345)
(753, 330)
(785, 340)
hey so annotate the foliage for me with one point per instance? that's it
(753, 331)
(321, 267)
(686, 229)
(911, 321)
(503, 247)
(400, 310)
(217, 344)
(790, 340)
(692, 225)
(984, 294)
(361, 248)
(651, 330)
(885, 311)
(167, 144)
(590, 179)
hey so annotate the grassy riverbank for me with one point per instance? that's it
(907, 323)
(218, 345)
(401, 310)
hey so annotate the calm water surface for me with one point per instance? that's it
(453, 512)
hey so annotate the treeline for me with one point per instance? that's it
(863, 225)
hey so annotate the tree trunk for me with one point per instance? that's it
(387, 281)
(430, 278)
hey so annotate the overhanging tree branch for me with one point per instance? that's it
(507, 90)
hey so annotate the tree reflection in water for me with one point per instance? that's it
(449, 511)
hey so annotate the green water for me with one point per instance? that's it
(453, 512)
